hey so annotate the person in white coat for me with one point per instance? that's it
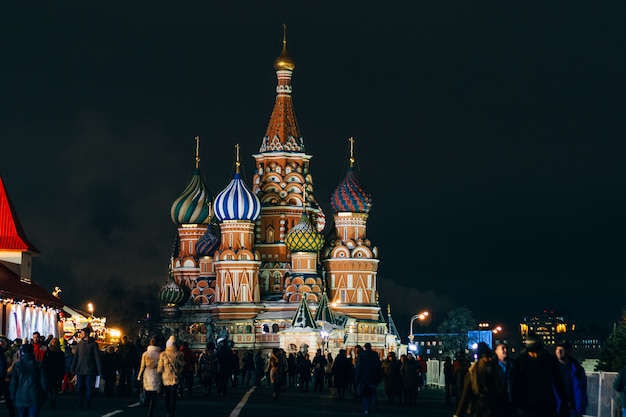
(149, 376)
(170, 367)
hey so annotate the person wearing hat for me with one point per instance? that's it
(86, 366)
(28, 384)
(575, 379)
(537, 381)
(170, 367)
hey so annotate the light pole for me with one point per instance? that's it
(420, 316)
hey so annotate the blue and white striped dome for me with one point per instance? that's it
(237, 202)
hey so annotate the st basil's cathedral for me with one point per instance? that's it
(252, 264)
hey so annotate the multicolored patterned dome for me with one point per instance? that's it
(351, 196)
(171, 293)
(208, 243)
(237, 202)
(303, 237)
(193, 205)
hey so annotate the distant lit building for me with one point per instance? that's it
(549, 326)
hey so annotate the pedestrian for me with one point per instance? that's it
(225, 366)
(481, 387)
(410, 373)
(109, 371)
(292, 369)
(448, 379)
(86, 366)
(275, 371)
(5, 354)
(505, 373)
(28, 384)
(368, 377)
(54, 368)
(208, 367)
(170, 367)
(341, 373)
(248, 368)
(460, 365)
(328, 370)
(259, 368)
(68, 385)
(149, 376)
(575, 380)
(39, 345)
(126, 356)
(537, 381)
(619, 385)
(189, 359)
(391, 377)
(304, 372)
(319, 364)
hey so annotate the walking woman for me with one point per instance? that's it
(275, 371)
(149, 376)
(54, 368)
(170, 367)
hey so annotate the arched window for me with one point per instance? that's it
(266, 328)
(275, 328)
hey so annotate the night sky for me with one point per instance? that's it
(490, 135)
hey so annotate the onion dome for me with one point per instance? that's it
(351, 196)
(171, 293)
(193, 205)
(284, 61)
(303, 237)
(208, 243)
(236, 201)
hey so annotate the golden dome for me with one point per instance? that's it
(284, 61)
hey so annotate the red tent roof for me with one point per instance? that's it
(11, 286)
(12, 236)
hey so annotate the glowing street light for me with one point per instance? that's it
(420, 316)
(90, 308)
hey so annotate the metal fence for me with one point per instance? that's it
(602, 398)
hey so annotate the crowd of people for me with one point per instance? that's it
(538, 383)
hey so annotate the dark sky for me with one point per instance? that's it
(489, 134)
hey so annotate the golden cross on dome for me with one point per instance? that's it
(351, 151)
(284, 34)
(237, 162)
(197, 151)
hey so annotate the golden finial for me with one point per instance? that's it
(197, 151)
(237, 162)
(388, 308)
(351, 151)
(284, 61)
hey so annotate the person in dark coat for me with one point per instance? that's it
(448, 379)
(259, 368)
(4, 375)
(109, 371)
(86, 366)
(410, 372)
(537, 381)
(68, 385)
(126, 356)
(189, 358)
(319, 366)
(341, 373)
(225, 366)
(392, 378)
(54, 368)
(367, 376)
(304, 371)
(575, 379)
(28, 384)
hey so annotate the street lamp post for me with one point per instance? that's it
(420, 316)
